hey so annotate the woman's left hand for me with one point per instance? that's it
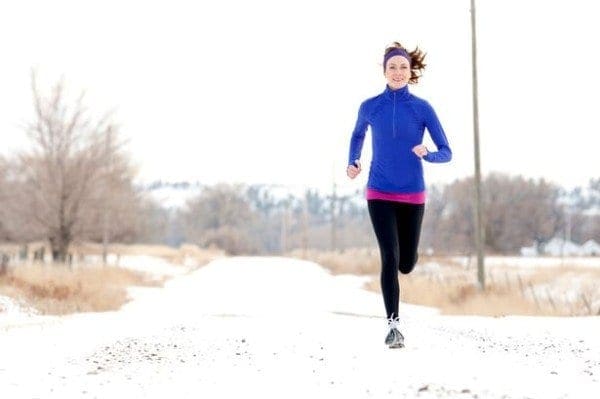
(420, 150)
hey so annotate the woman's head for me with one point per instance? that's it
(401, 67)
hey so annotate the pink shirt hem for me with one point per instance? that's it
(410, 198)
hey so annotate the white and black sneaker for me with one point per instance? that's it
(394, 338)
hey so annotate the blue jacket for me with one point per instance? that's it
(398, 120)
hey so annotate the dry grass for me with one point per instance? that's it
(350, 261)
(59, 289)
(56, 289)
(179, 255)
(445, 283)
(464, 298)
(201, 256)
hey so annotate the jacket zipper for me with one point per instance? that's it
(394, 116)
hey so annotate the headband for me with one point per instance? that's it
(394, 52)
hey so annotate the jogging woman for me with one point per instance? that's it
(396, 188)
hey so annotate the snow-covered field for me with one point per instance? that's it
(532, 261)
(276, 327)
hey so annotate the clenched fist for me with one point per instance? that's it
(353, 170)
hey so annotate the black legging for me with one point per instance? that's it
(397, 226)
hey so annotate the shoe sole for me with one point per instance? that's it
(396, 346)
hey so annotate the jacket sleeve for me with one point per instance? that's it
(358, 135)
(434, 127)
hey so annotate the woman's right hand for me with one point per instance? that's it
(353, 170)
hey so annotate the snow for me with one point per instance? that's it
(14, 311)
(532, 262)
(559, 246)
(277, 327)
(156, 267)
(529, 251)
(591, 248)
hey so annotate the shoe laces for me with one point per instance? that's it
(394, 322)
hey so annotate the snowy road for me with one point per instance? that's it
(272, 326)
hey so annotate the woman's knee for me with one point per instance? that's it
(406, 265)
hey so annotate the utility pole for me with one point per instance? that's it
(569, 224)
(479, 233)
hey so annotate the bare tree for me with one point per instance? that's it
(4, 235)
(517, 212)
(455, 232)
(584, 212)
(434, 213)
(154, 224)
(221, 216)
(64, 179)
(116, 206)
(520, 211)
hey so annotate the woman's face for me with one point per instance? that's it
(397, 72)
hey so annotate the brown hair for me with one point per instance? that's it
(416, 61)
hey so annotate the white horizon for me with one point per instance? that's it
(268, 93)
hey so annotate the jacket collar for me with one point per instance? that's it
(399, 94)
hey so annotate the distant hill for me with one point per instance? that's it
(174, 195)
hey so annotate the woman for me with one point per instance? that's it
(396, 188)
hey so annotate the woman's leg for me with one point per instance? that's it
(408, 221)
(383, 218)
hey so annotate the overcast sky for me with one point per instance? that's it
(268, 91)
